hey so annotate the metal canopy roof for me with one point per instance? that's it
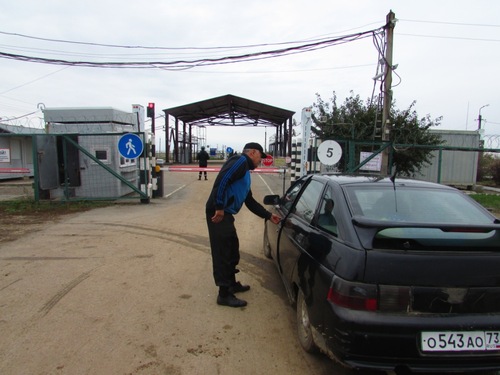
(230, 110)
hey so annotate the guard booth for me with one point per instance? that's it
(79, 156)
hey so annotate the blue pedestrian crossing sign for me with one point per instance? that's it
(130, 146)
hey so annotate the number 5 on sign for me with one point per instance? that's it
(329, 152)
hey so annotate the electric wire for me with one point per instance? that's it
(188, 64)
(33, 80)
(308, 40)
(450, 37)
(18, 117)
(290, 48)
(450, 23)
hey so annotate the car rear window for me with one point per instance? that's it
(416, 205)
(414, 218)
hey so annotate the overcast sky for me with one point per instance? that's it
(447, 54)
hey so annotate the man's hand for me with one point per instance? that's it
(275, 219)
(219, 215)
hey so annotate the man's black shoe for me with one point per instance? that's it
(238, 288)
(231, 301)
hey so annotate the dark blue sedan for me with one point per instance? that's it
(390, 274)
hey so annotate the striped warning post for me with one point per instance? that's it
(298, 161)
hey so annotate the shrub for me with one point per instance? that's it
(495, 171)
(484, 170)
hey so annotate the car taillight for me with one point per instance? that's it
(351, 295)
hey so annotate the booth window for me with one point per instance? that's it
(102, 154)
(124, 162)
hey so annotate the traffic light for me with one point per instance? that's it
(151, 110)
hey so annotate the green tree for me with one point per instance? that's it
(486, 166)
(495, 171)
(361, 121)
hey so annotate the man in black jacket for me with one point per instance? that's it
(202, 161)
(231, 189)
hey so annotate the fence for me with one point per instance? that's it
(71, 167)
(450, 163)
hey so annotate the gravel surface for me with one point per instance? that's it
(128, 289)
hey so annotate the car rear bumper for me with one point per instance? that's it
(387, 341)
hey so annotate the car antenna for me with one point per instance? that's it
(393, 180)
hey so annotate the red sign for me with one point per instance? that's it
(268, 161)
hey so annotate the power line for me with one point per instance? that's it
(33, 80)
(188, 64)
(18, 117)
(313, 39)
(451, 23)
(451, 37)
(286, 71)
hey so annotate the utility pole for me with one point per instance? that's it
(480, 118)
(386, 126)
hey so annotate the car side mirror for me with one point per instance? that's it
(272, 199)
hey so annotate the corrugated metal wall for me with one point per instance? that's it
(455, 167)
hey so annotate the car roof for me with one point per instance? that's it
(343, 179)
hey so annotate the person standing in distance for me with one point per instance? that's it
(230, 190)
(202, 161)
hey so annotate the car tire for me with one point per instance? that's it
(266, 245)
(304, 329)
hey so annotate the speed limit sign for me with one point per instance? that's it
(329, 152)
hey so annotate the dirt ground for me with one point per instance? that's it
(127, 289)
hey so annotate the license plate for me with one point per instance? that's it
(460, 341)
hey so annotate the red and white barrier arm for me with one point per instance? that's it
(14, 170)
(269, 170)
(176, 168)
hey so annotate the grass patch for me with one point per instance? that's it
(30, 207)
(279, 162)
(490, 201)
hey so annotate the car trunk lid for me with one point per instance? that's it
(433, 269)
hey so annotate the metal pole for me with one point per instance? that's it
(36, 167)
(480, 118)
(265, 138)
(153, 143)
(167, 148)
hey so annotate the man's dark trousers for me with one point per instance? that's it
(225, 249)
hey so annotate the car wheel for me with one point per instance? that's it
(266, 245)
(304, 325)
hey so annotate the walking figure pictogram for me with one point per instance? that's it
(130, 147)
